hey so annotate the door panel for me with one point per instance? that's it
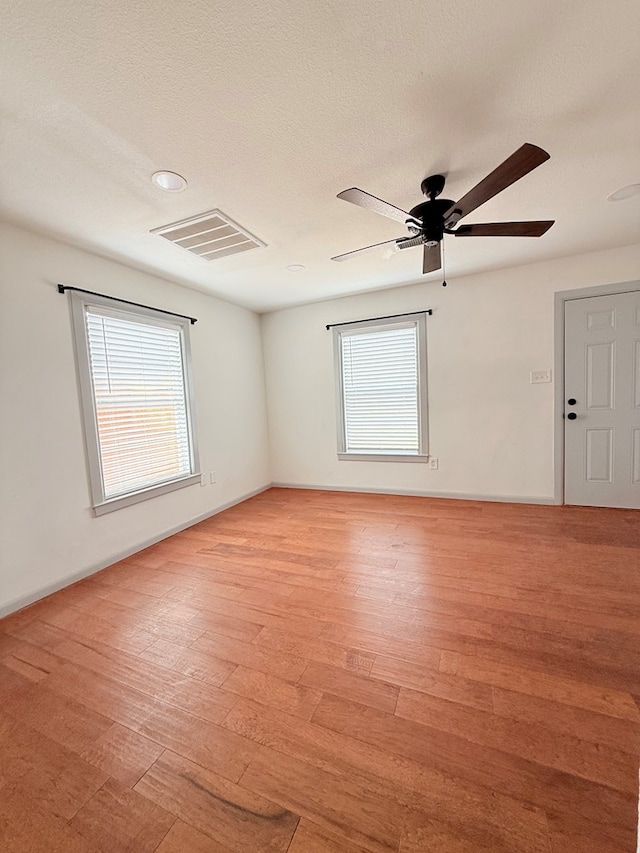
(599, 459)
(600, 361)
(602, 373)
(600, 319)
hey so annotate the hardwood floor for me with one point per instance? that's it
(320, 672)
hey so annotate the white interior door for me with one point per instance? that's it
(602, 400)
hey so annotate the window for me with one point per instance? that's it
(133, 367)
(382, 389)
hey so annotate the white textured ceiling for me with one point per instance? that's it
(270, 109)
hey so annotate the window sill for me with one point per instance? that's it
(144, 494)
(383, 457)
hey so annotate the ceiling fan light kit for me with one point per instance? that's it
(430, 220)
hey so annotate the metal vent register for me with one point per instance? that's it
(211, 236)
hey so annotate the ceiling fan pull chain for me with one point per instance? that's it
(444, 272)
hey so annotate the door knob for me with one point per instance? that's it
(572, 416)
(572, 401)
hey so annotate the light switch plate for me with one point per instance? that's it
(540, 376)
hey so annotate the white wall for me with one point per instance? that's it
(491, 430)
(48, 534)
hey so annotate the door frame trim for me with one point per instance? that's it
(560, 298)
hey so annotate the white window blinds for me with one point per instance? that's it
(138, 381)
(380, 390)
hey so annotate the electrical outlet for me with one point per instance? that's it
(433, 463)
(212, 477)
(203, 479)
(540, 376)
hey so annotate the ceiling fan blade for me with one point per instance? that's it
(521, 162)
(347, 255)
(431, 258)
(370, 202)
(505, 229)
(409, 242)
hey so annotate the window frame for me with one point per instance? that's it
(79, 303)
(365, 326)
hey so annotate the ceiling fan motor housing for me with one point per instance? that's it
(430, 216)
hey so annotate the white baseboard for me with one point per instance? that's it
(458, 496)
(25, 600)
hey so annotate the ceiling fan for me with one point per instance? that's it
(429, 221)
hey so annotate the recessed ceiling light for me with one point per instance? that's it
(625, 192)
(295, 267)
(169, 181)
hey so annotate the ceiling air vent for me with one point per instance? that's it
(210, 236)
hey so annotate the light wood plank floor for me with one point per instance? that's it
(321, 672)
